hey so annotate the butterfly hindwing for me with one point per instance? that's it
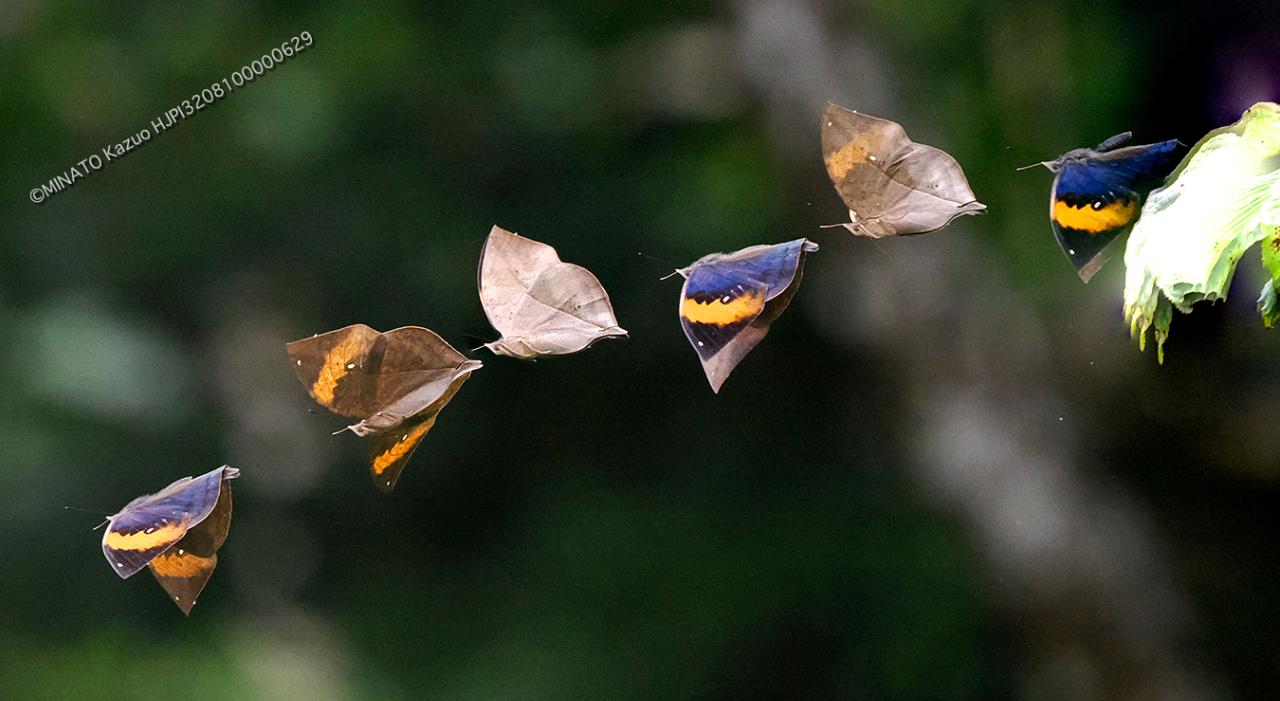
(184, 569)
(392, 450)
(1097, 197)
(729, 301)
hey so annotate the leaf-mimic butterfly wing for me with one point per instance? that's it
(541, 305)
(399, 381)
(891, 185)
(729, 301)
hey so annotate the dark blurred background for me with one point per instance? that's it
(948, 473)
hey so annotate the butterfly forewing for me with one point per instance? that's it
(340, 368)
(418, 368)
(151, 524)
(509, 266)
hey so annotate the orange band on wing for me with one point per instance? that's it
(401, 447)
(842, 161)
(336, 364)
(171, 564)
(1094, 221)
(721, 313)
(142, 540)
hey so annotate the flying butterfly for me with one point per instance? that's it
(891, 185)
(730, 299)
(541, 305)
(175, 532)
(396, 383)
(1097, 195)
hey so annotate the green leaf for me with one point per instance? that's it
(1268, 304)
(1223, 198)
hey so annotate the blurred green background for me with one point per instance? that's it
(947, 474)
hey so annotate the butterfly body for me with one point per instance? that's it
(396, 383)
(176, 532)
(1097, 195)
(729, 300)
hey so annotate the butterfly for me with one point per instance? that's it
(176, 532)
(1097, 195)
(730, 299)
(891, 185)
(540, 305)
(396, 383)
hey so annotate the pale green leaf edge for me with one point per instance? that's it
(1222, 198)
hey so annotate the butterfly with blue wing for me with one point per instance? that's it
(175, 532)
(730, 299)
(1097, 195)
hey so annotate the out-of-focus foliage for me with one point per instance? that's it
(1222, 199)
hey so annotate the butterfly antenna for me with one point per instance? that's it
(1029, 167)
(94, 512)
(653, 258)
(86, 511)
(472, 336)
(669, 275)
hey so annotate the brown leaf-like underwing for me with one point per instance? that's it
(541, 305)
(396, 383)
(892, 185)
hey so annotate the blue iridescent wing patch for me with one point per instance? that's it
(729, 301)
(1097, 195)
